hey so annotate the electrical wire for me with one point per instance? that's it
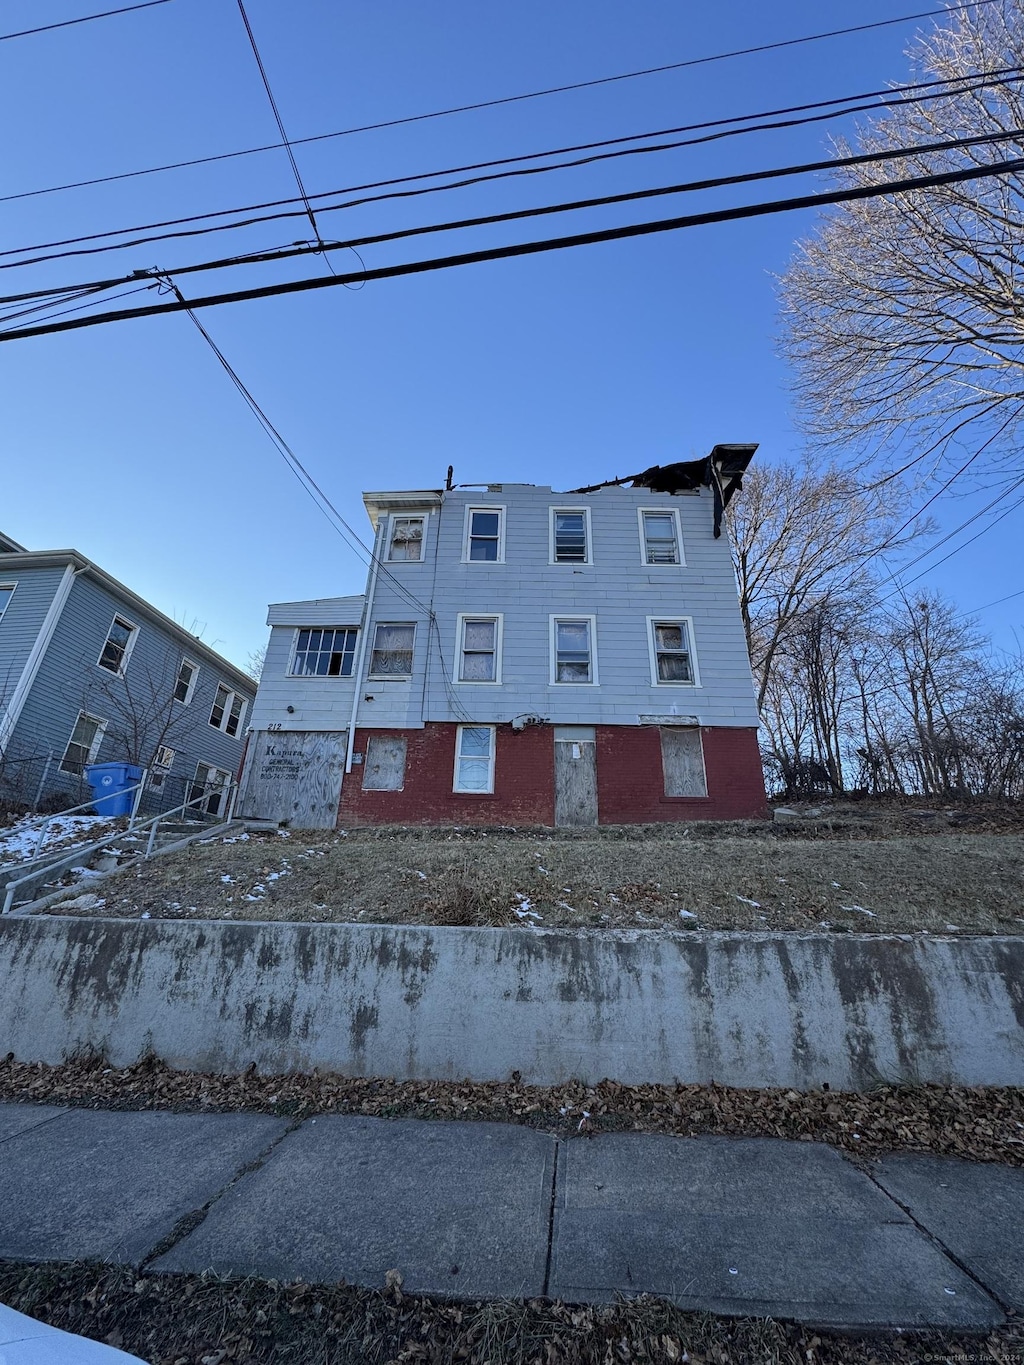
(85, 19)
(982, 81)
(509, 99)
(734, 214)
(998, 602)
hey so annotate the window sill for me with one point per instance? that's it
(473, 796)
(684, 800)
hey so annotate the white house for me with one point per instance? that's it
(520, 656)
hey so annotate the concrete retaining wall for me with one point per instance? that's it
(418, 1003)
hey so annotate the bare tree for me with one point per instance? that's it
(254, 664)
(903, 314)
(143, 714)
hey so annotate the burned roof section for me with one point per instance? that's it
(722, 471)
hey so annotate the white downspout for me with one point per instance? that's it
(361, 652)
(34, 661)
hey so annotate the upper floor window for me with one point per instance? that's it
(570, 535)
(6, 593)
(479, 649)
(672, 658)
(485, 535)
(118, 645)
(185, 683)
(84, 744)
(324, 654)
(391, 656)
(660, 541)
(405, 541)
(572, 649)
(227, 711)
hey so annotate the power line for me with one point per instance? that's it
(542, 246)
(983, 81)
(998, 602)
(490, 104)
(85, 19)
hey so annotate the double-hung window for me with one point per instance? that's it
(570, 535)
(324, 653)
(185, 683)
(118, 646)
(485, 535)
(227, 710)
(660, 541)
(572, 650)
(391, 656)
(474, 758)
(671, 646)
(405, 542)
(84, 743)
(479, 649)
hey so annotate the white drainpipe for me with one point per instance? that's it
(361, 652)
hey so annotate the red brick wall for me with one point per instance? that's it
(630, 784)
(631, 787)
(524, 782)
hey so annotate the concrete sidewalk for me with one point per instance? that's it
(759, 1227)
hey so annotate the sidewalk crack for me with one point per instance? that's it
(551, 1219)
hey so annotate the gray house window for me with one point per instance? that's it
(186, 681)
(6, 593)
(673, 655)
(660, 537)
(573, 650)
(118, 645)
(84, 743)
(406, 539)
(570, 539)
(483, 535)
(228, 708)
(324, 654)
(392, 650)
(479, 648)
(474, 759)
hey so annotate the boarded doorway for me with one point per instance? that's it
(294, 778)
(575, 775)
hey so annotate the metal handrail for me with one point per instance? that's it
(152, 824)
(47, 820)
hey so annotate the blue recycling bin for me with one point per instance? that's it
(112, 785)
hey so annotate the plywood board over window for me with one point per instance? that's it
(384, 767)
(682, 759)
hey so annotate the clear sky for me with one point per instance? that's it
(129, 442)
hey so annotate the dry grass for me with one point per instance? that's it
(850, 869)
(210, 1320)
(974, 1122)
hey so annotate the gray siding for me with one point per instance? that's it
(70, 681)
(320, 703)
(21, 622)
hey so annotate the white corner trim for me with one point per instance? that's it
(19, 696)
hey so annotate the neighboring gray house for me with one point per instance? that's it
(90, 673)
(520, 656)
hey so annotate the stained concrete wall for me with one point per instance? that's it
(418, 1002)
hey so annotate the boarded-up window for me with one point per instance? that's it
(682, 759)
(384, 767)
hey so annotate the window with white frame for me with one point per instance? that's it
(474, 758)
(660, 540)
(206, 792)
(671, 646)
(572, 650)
(164, 757)
(405, 539)
(84, 744)
(185, 684)
(227, 710)
(324, 653)
(479, 649)
(570, 535)
(485, 535)
(118, 645)
(391, 656)
(6, 593)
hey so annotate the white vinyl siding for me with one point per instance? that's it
(117, 647)
(478, 649)
(570, 535)
(474, 759)
(84, 744)
(574, 650)
(661, 540)
(672, 657)
(484, 537)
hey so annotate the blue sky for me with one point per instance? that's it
(128, 441)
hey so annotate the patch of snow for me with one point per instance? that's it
(837, 886)
(64, 831)
(859, 909)
(687, 914)
(564, 905)
(746, 901)
(284, 833)
(227, 879)
(524, 910)
(86, 872)
(144, 915)
(953, 928)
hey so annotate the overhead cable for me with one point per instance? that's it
(84, 19)
(508, 99)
